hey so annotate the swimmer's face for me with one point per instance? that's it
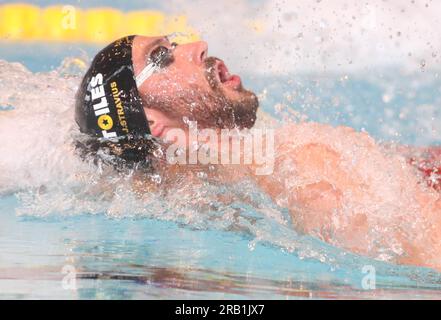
(191, 84)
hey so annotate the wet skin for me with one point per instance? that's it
(191, 72)
(330, 195)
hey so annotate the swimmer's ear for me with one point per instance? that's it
(154, 118)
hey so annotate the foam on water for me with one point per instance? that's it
(372, 66)
(40, 165)
(36, 125)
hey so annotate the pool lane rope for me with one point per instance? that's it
(66, 23)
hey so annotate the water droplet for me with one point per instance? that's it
(201, 175)
(179, 152)
(158, 153)
(156, 178)
(387, 98)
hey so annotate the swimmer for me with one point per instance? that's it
(338, 184)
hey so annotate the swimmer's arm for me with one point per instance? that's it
(307, 179)
(310, 181)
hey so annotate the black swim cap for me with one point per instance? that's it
(108, 104)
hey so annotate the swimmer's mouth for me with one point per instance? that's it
(225, 78)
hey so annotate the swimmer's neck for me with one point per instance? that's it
(200, 145)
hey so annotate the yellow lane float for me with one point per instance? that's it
(25, 22)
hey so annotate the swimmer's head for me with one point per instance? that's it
(108, 104)
(188, 84)
(138, 87)
(138, 77)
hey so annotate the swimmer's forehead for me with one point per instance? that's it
(142, 45)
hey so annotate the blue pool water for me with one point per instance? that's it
(147, 256)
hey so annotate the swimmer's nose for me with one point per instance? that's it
(195, 51)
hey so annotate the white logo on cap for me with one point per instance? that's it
(100, 107)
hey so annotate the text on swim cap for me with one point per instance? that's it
(119, 107)
(101, 107)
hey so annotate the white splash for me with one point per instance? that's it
(36, 133)
(38, 162)
(278, 36)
